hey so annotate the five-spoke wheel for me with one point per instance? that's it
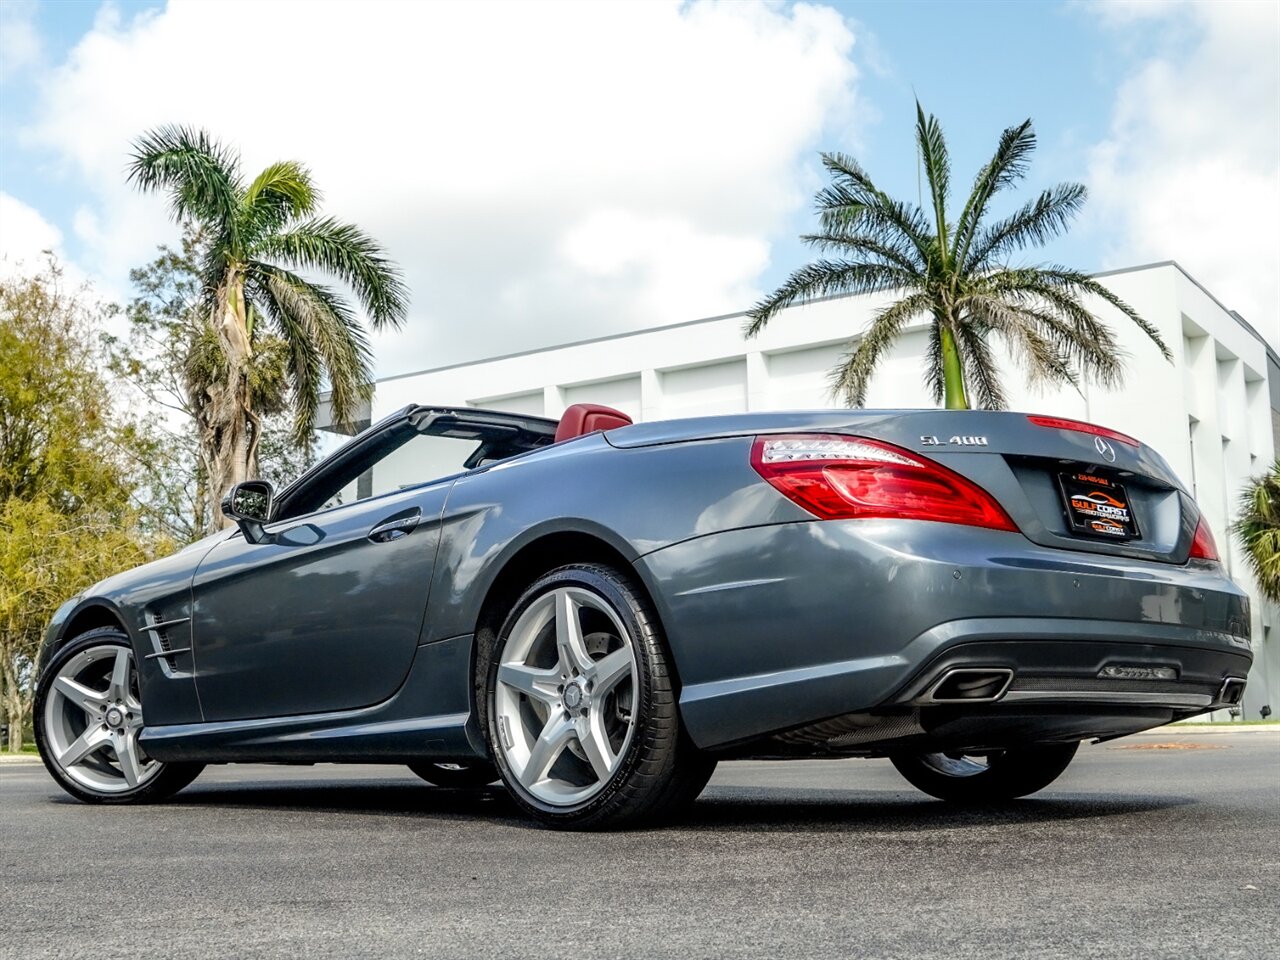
(581, 709)
(88, 717)
(566, 688)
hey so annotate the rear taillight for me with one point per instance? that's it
(1202, 546)
(1079, 426)
(843, 478)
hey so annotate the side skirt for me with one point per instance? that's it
(428, 718)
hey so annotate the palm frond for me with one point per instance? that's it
(1258, 530)
(311, 312)
(1034, 224)
(852, 377)
(888, 251)
(1083, 337)
(937, 169)
(280, 193)
(934, 377)
(982, 374)
(1075, 282)
(201, 173)
(1040, 344)
(852, 201)
(1006, 167)
(825, 278)
(348, 253)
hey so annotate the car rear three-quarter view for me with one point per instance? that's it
(597, 612)
(977, 594)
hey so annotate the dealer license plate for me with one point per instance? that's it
(1097, 506)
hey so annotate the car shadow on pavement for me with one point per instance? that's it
(729, 809)
(388, 798)
(720, 809)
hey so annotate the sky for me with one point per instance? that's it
(547, 172)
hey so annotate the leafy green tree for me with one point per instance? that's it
(953, 268)
(259, 234)
(1258, 530)
(66, 518)
(163, 356)
(46, 557)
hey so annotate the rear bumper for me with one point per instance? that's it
(775, 629)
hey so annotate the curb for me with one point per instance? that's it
(18, 758)
(1205, 730)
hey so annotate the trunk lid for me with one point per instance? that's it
(1032, 470)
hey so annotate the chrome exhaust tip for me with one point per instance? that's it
(1231, 692)
(970, 685)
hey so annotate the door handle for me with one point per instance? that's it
(395, 528)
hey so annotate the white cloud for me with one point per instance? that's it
(21, 46)
(1191, 168)
(541, 171)
(25, 236)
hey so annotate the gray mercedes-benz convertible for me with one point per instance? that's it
(597, 612)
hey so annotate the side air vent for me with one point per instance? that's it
(158, 627)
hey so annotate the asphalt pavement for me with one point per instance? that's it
(1156, 846)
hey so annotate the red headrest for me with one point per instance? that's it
(583, 418)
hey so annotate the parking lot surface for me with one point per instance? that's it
(1154, 846)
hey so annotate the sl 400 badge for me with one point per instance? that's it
(954, 442)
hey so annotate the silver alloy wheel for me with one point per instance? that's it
(92, 718)
(565, 696)
(955, 764)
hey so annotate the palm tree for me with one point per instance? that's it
(1258, 530)
(259, 235)
(954, 270)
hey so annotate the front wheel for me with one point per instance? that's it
(88, 715)
(581, 705)
(989, 777)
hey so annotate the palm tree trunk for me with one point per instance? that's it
(225, 430)
(952, 371)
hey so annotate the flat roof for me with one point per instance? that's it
(1271, 352)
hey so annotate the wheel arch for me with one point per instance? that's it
(91, 614)
(542, 554)
(95, 614)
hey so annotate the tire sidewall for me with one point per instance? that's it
(630, 610)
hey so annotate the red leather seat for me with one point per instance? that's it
(583, 418)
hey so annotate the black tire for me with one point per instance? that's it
(659, 769)
(171, 778)
(1009, 774)
(462, 775)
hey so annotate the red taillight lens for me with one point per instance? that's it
(1203, 547)
(843, 478)
(1062, 423)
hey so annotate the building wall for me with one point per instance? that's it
(1211, 411)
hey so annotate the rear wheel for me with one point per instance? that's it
(88, 717)
(478, 773)
(989, 777)
(581, 706)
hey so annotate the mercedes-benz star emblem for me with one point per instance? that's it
(1108, 452)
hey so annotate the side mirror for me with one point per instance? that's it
(249, 505)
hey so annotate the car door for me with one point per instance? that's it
(324, 618)
(325, 614)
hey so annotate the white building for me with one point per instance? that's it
(1214, 412)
